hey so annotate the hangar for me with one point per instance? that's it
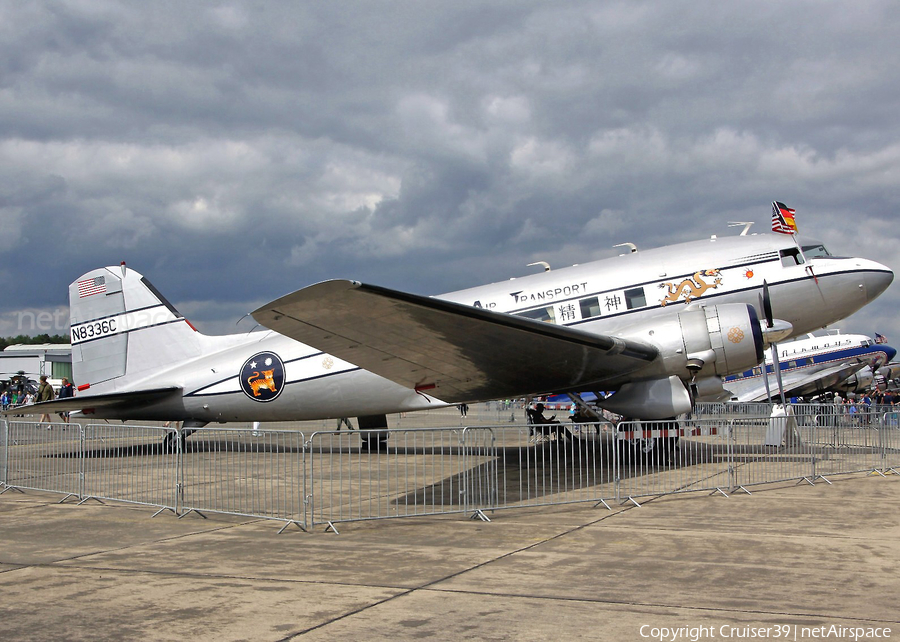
(32, 361)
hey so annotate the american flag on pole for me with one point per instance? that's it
(87, 287)
(783, 219)
(880, 338)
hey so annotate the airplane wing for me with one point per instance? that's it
(130, 400)
(797, 383)
(455, 352)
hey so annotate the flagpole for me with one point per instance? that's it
(806, 264)
(793, 233)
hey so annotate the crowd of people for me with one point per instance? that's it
(22, 393)
(12, 398)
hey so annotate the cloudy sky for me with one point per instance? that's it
(233, 152)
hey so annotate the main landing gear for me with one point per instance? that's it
(170, 440)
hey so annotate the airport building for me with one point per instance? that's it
(32, 361)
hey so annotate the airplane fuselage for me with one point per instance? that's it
(811, 366)
(612, 294)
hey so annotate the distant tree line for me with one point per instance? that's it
(29, 340)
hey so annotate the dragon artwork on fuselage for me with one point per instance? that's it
(692, 288)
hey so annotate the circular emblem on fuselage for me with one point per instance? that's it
(262, 376)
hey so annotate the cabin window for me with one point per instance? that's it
(590, 307)
(634, 298)
(812, 251)
(540, 314)
(791, 257)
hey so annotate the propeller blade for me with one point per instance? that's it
(767, 304)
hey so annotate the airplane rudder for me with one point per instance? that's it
(121, 324)
(96, 301)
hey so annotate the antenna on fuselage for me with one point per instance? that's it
(630, 246)
(543, 264)
(746, 225)
(244, 317)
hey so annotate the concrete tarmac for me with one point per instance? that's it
(793, 556)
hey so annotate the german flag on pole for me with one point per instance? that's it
(783, 219)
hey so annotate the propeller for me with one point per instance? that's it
(773, 331)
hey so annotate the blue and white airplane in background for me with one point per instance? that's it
(658, 327)
(812, 366)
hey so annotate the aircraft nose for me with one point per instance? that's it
(891, 353)
(877, 281)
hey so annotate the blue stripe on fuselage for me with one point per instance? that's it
(833, 356)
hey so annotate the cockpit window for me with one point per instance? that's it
(791, 257)
(812, 251)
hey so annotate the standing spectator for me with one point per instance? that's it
(45, 393)
(66, 391)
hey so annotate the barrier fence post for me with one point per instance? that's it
(616, 463)
(307, 484)
(4, 453)
(177, 443)
(812, 450)
(81, 462)
(889, 425)
(465, 467)
(730, 439)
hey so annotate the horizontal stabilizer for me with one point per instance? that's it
(132, 399)
(451, 351)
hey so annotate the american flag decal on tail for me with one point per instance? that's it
(88, 287)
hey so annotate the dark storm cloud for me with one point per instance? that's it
(234, 151)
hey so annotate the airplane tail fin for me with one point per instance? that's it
(123, 329)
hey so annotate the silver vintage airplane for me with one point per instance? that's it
(659, 327)
(813, 365)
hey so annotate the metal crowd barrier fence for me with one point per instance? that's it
(540, 465)
(414, 472)
(337, 476)
(43, 457)
(662, 457)
(728, 409)
(252, 473)
(128, 464)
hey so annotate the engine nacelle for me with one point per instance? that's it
(717, 340)
(709, 389)
(858, 382)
